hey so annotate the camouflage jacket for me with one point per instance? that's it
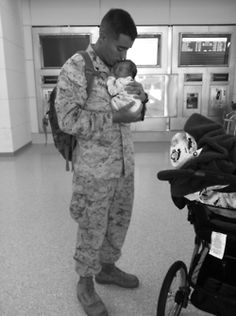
(104, 149)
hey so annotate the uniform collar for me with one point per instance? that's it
(97, 62)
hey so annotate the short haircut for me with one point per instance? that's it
(118, 21)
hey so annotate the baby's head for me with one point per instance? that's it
(124, 68)
(183, 147)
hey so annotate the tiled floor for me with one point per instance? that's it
(37, 236)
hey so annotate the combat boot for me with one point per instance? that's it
(110, 274)
(89, 299)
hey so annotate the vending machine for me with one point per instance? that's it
(204, 59)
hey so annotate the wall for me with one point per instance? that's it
(85, 12)
(27, 26)
(202, 12)
(14, 116)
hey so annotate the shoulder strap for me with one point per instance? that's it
(90, 72)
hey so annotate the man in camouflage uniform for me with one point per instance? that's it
(103, 180)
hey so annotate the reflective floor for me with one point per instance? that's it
(37, 236)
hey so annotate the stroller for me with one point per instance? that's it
(210, 281)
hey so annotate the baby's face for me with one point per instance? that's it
(121, 70)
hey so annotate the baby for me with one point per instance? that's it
(123, 72)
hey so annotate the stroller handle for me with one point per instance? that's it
(219, 178)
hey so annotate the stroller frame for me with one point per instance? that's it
(181, 282)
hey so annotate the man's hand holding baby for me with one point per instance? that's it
(124, 115)
(136, 88)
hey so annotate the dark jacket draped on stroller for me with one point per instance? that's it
(218, 156)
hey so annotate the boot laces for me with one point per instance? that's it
(90, 286)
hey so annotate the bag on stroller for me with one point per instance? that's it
(215, 282)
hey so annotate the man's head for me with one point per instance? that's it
(116, 36)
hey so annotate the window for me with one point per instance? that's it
(56, 49)
(204, 49)
(145, 50)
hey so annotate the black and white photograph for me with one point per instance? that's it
(117, 158)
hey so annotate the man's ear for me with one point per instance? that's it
(102, 33)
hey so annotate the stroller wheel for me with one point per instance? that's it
(174, 291)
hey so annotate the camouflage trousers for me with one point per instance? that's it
(102, 209)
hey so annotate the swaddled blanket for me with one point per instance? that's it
(218, 155)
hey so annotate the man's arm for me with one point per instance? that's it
(137, 90)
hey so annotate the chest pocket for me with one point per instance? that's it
(99, 98)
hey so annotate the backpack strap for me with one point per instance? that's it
(90, 72)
